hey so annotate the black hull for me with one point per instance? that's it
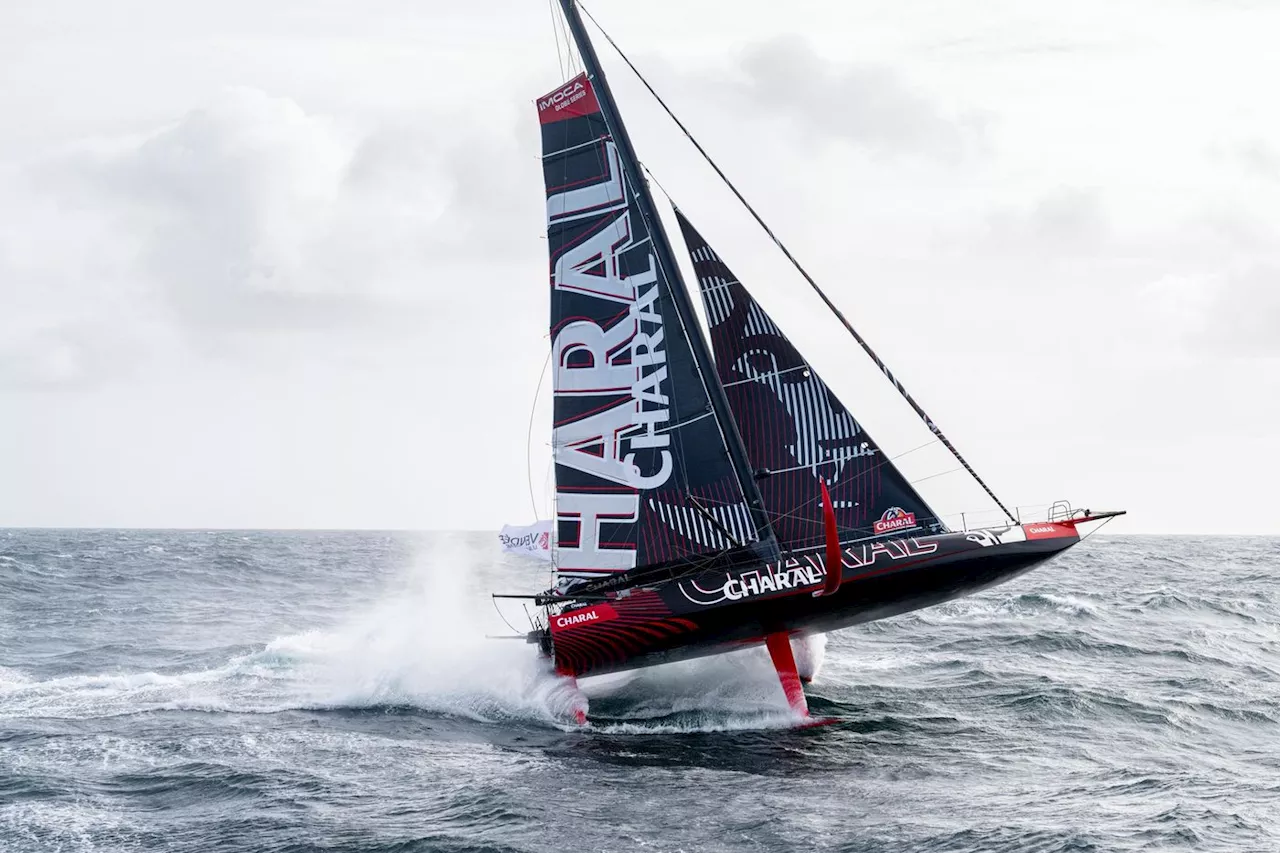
(718, 612)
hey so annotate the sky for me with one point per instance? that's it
(284, 265)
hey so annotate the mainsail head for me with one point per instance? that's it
(795, 429)
(644, 469)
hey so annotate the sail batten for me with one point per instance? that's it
(798, 435)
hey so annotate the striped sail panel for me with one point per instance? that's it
(794, 428)
(635, 436)
(713, 527)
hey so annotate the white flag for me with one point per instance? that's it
(532, 541)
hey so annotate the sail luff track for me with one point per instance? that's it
(884, 368)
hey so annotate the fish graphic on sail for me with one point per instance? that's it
(796, 431)
(649, 468)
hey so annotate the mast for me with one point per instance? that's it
(667, 260)
(884, 368)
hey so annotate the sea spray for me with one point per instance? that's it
(414, 637)
(419, 641)
(810, 651)
(423, 643)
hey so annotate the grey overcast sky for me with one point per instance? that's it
(282, 264)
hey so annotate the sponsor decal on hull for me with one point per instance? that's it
(799, 573)
(1048, 531)
(895, 518)
(585, 616)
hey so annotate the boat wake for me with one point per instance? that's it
(421, 646)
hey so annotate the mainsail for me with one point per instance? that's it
(649, 468)
(795, 429)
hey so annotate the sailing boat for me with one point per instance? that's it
(713, 495)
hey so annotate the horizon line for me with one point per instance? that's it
(493, 530)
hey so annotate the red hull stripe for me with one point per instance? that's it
(1049, 531)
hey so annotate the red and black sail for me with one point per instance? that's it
(796, 432)
(649, 467)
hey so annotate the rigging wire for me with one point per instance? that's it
(1104, 523)
(939, 474)
(533, 502)
(658, 184)
(555, 33)
(513, 628)
(817, 499)
(929, 422)
(669, 284)
(571, 67)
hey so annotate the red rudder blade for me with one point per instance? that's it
(779, 645)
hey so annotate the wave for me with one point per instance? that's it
(421, 644)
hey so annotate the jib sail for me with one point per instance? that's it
(794, 428)
(649, 469)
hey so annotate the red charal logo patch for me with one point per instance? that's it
(1047, 530)
(544, 541)
(895, 518)
(584, 616)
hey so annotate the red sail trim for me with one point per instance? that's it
(835, 563)
(573, 99)
(618, 400)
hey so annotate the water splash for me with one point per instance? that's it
(421, 643)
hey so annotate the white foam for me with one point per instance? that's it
(810, 651)
(11, 678)
(421, 644)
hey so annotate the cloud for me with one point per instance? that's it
(246, 217)
(68, 357)
(866, 104)
(1235, 313)
(1260, 158)
(1063, 220)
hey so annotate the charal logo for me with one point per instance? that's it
(1048, 530)
(895, 518)
(544, 541)
(574, 618)
(799, 573)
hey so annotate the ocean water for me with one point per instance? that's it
(298, 691)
